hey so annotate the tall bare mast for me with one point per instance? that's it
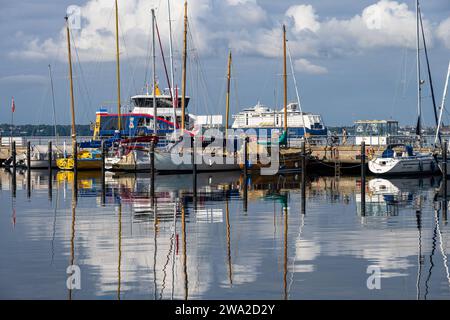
(419, 81)
(228, 96)
(285, 78)
(441, 109)
(155, 120)
(72, 101)
(53, 103)
(119, 116)
(172, 86)
(183, 85)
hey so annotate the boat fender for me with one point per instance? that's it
(370, 152)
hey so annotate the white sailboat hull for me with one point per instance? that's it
(423, 164)
(138, 160)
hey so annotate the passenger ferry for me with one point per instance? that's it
(262, 117)
(139, 121)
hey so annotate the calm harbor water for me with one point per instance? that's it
(217, 245)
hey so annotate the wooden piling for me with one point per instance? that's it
(29, 169)
(50, 156)
(245, 174)
(28, 156)
(194, 171)
(363, 178)
(152, 169)
(103, 149)
(14, 165)
(303, 155)
(14, 155)
(444, 167)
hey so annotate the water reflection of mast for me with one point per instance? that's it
(419, 258)
(227, 216)
(72, 238)
(431, 257)
(444, 256)
(285, 208)
(54, 222)
(154, 246)
(119, 265)
(163, 286)
(183, 231)
(173, 252)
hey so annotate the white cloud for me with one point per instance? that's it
(443, 32)
(305, 66)
(242, 25)
(304, 17)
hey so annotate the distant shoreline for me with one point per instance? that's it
(42, 130)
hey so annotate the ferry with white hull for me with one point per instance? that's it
(262, 117)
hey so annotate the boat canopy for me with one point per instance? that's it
(389, 151)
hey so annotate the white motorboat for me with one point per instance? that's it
(404, 162)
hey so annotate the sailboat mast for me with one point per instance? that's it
(183, 88)
(285, 77)
(119, 116)
(155, 120)
(172, 74)
(419, 89)
(441, 109)
(228, 96)
(53, 103)
(72, 101)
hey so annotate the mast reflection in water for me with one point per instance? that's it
(177, 246)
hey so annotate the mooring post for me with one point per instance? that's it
(363, 178)
(13, 151)
(75, 170)
(303, 155)
(29, 169)
(444, 166)
(103, 149)
(246, 174)
(28, 156)
(152, 169)
(75, 159)
(50, 156)
(14, 155)
(194, 170)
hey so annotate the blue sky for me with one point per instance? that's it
(352, 59)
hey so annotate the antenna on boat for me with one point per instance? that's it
(228, 95)
(72, 102)
(172, 75)
(285, 77)
(119, 116)
(183, 88)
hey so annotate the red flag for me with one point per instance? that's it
(13, 105)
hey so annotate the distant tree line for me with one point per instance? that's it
(42, 130)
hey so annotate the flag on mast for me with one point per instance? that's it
(13, 105)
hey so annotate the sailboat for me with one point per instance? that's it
(407, 161)
(136, 157)
(89, 159)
